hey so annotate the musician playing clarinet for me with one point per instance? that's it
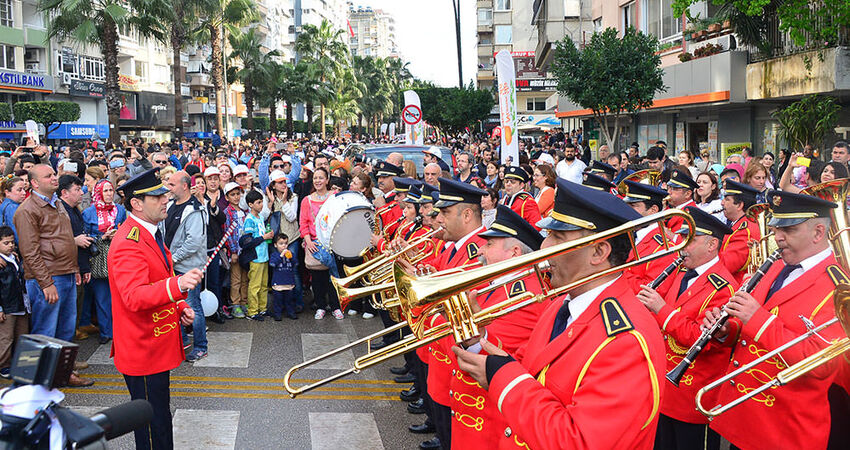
(148, 305)
(702, 283)
(795, 290)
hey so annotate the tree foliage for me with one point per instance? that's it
(611, 76)
(822, 21)
(47, 113)
(807, 121)
(5, 112)
(454, 109)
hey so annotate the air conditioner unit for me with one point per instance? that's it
(66, 79)
(32, 67)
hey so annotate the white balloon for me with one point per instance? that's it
(209, 302)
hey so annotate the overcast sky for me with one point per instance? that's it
(425, 35)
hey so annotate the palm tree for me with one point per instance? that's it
(271, 90)
(183, 22)
(245, 46)
(97, 22)
(343, 101)
(323, 46)
(217, 17)
(372, 72)
(294, 89)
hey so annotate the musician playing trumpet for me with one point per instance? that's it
(590, 375)
(796, 290)
(702, 283)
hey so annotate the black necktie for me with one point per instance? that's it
(689, 275)
(452, 254)
(161, 245)
(729, 223)
(560, 321)
(780, 280)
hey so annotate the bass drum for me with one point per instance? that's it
(345, 224)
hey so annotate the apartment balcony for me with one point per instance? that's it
(485, 50)
(199, 79)
(812, 72)
(484, 4)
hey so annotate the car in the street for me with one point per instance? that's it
(379, 152)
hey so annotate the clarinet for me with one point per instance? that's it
(675, 375)
(666, 273)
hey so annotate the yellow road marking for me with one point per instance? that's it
(254, 380)
(258, 388)
(236, 395)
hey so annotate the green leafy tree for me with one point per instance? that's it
(270, 91)
(5, 112)
(325, 47)
(217, 18)
(253, 71)
(47, 113)
(807, 121)
(454, 109)
(97, 22)
(611, 76)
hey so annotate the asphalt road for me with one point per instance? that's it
(235, 397)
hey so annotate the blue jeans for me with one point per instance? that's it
(57, 319)
(212, 279)
(298, 292)
(99, 288)
(199, 326)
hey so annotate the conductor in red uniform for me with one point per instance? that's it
(148, 305)
(590, 375)
(516, 178)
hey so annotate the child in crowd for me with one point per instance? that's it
(13, 311)
(284, 270)
(238, 276)
(254, 243)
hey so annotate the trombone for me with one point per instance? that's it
(421, 297)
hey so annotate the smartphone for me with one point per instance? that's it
(70, 166)
(280, 146)
(803, 161)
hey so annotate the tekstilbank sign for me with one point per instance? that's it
(25, 82)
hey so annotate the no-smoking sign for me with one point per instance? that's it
(411, 114)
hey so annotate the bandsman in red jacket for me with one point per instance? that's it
(389, 212)
(605, 171)
(148, 305)
(735, 251)
(796, 290)
(590, 374)
(681, 188)
(477, 422)
(516, 197)
(702, 283)
(647, 200)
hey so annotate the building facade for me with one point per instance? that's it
(371, 32)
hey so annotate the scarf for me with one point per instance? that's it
(106, 212)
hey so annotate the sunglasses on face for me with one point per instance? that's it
(161, 162)
(277, 166)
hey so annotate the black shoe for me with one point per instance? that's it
(298, 309)
(104, 340)
(293, 317)
(378, 345)
(399, 370)
(425, 428)
(278, 318)
(433, 443)
(406, 378)
(218, 317)
(410, 395)
(417, 407)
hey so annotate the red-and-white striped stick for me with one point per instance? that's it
(220, 244)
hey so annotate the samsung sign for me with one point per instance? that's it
(79, 131)
(25, 81)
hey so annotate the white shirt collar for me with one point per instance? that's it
(806, 265)
(461, 241)
(151, 227)
(644, 232)
(703, 268)
(581, 302)
(11, 259)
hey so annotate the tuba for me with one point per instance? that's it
(645, 176)
(760, 249)
(835, 191)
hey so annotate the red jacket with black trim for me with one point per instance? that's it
(735, 251)
(524, 204)
(645, 273)
(146, 303)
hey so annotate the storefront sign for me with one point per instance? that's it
(536, 84)
(540, 120)
(680, 137)
(79, 131)
(154, 110)
(25, 81)
(712, 137)
(82, 88)
(128, 83)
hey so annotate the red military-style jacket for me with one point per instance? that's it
(597, 385)
(652, 243)
(675, 223)
(389, 215)
(418, 230)
(680, 321)
(442, 361)
(146, 303)
(477, 422)
(735, 251)
(401, 227)
(524, 204)
(795, 415)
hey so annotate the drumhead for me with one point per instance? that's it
(352, 232)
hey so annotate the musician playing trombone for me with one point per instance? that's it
(702, 283)
(795, 291)
(590, 374)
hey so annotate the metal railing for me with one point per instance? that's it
(780, 43)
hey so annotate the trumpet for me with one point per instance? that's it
(376, 271)
(841, 298)
(760, 249)
(422, 297)
(675, 375)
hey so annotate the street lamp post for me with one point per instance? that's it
(456, 10)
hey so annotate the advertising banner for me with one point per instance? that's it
(507, 107)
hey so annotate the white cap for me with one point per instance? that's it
(434, 151)
(277, 175)
(231, 186)
(546, 159)
(240, 169)
(212, 171)
(308, 166)
(286, 159)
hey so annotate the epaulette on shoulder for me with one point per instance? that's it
(133, 235)
(616, 320)
(517, 288)
(658, 239)
(717, 281)
(743, 225)
(471, 250)
(836, 274)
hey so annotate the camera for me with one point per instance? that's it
(94, 250)
(30, 406)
